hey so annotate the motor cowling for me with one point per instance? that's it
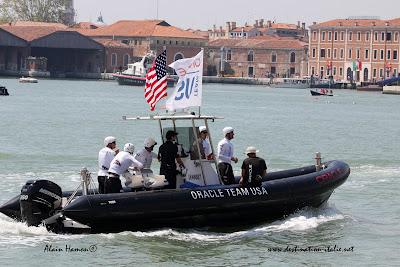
(38, 201)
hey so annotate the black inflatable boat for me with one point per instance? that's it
(281, 193)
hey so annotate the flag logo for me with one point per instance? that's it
(156, 81)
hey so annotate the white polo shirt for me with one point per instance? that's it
(106, 155)
(121, 163)
(207, 147)
(145, 157)
(225, 151)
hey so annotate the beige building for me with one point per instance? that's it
(356, 49)
(257, 57)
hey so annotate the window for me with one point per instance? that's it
(273, 70)
(389, 36)
(358, 53)
(381, 73)
(395, 54)
(335, 36)
(251, 72)
(313, 52)
(312, 71)
(341, 36)
(114, 60)
(396, 36)
(375, 36)
(382, 36)
(228, 54)
(375, 54)
(374, 73)
(367, 36)
(358, 36)
(250, 56)
(341, 71)
(329, 36)
(323, 36)
(292, 57)
(126, 60)
(314, 35)
(394, 72)
(329, 53)
(322, 72)
(334, 70)
(366, 53)
(273, 57)
(341, 53)
(350, 55)
(322, 53)
(382, 54)
(334, 53)
(350, 36)
(388, 54)
(292, 71)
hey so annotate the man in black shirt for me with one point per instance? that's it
(253, 168)
(167, 154)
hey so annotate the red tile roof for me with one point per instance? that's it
(36, 24)
(31, 30)
(141, 28)
(112, 43)
(86, 25)
(260, 42)
(357, 22)
(283, 26)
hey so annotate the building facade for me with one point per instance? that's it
(258, 57)
(356, 49)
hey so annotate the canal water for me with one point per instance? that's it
(51, 129)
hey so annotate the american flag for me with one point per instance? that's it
(156, 81)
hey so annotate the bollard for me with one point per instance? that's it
(318, 165)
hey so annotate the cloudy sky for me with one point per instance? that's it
(202, 14)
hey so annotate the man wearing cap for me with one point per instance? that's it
(106, 155)
(204, 145)
(118, 166)
(225, 156)
(253, 169)
(146, 155)
(167, 154)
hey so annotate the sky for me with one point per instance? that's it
(203, 14)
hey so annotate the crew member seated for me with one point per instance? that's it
(119, 165)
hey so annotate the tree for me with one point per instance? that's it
(34, 10)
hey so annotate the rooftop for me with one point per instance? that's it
(360, 22)
(260, 42)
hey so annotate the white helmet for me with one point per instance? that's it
(149, 142)
(129, 147)
(227, 130)
(108, 140)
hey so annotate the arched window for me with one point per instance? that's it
(273, 57)
(126, 60)
(250, 56)
(178, 56)
(114, 60)
(292, 57)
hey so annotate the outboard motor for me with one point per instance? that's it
(38, 200)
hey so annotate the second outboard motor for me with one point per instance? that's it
(38, 200)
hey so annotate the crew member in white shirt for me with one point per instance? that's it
(119, 165)
(225, 156)
(206, 142)
(146, 155)
(106, 155)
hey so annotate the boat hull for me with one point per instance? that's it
(136, 80)
(316, 93)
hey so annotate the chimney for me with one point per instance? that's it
(261, 23)
(214, 28)
(303, 25)
(228, 26)
(220, 28)
(233, 24)
(340, 23)
(314, 23)
(298, 24)
(356, 23)
(269, 25)
(256, 24)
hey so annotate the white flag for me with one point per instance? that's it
(188, 90)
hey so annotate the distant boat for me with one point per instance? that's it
(3, 91)
(321, 92)
(299, 83)
(28, 80)
(135, 74)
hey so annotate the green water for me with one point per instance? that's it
(51, 129)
